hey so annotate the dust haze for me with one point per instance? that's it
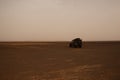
(59, 20)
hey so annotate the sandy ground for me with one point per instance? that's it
(56, 61)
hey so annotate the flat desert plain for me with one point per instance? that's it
(56, 61)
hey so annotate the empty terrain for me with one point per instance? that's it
(56, 61)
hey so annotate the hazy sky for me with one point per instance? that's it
(59, 20)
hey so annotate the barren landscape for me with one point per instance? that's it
(56, 61)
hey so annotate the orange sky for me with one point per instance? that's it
(59, 20)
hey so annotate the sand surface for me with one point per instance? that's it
(56, 61)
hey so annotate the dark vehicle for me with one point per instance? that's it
(76, 43)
